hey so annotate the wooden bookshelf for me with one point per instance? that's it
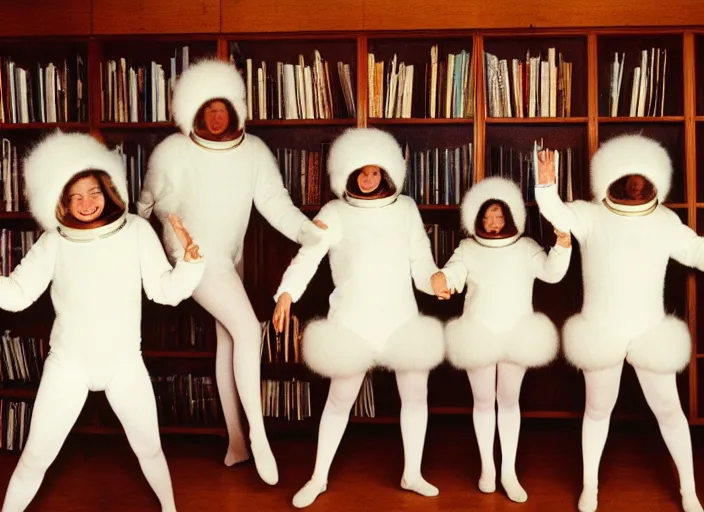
(553, 392)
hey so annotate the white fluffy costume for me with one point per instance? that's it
(212, 187)
(96, 278)
(499, 332)
(377, 249)
(625, 253)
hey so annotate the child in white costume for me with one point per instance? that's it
(499, 335)
(378, 248)
(97, 257)
(626, 237)
(210, 175)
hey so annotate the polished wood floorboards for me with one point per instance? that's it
(99, 473)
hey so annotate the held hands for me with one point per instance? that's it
(439, 284)
(546, 167)
(563, 239)
(191, 250)
(282, 312)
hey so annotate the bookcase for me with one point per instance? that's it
(465, 128)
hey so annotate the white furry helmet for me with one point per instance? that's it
(493, 188)
(358, 147)
(630, 154)
(204, 81)
(53, 161)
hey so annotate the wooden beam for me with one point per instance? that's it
(243, 16)
(156, 17)
(450, 14)
(45, 18)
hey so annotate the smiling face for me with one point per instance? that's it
(369, 178)
(86, 201)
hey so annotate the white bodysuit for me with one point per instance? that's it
(96, 279)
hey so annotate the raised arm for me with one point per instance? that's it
(163, 283)
(32, 276)
(274, 202)
(551, 267)
(572, 218)
(422, 262)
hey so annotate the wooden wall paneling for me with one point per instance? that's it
(450, 14)
(362, 84)
(156, 17)
(592, 93)
(45, 17)
(292, 15)
(689, 69)
(479, 107)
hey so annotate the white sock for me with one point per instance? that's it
(308, 493)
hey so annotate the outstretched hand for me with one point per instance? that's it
(546, 167)
(439, 284)
(563, 239)
(282, 312)
(191, 250)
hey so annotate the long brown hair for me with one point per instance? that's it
(114, 205)
(386, 187)
(509, 228)
(233, 130)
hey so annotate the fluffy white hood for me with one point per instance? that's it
(630, 154)
(358, 147)
(54, 160)
(203, 81)
(493, 188)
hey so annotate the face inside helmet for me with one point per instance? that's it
(494, 221)
(632, 189)
(370, 182)
(217, 120)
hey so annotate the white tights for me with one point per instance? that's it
(487, 391)
(413, 390)
(237, 366)
(60, 398)
(660, 391)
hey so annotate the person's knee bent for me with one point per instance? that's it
(414, 392)
(598, 410)
(667, 409)
(147, 447)
(340, 401)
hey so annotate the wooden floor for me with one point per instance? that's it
(95, 473)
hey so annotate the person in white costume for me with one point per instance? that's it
(499, 335)
(378, 248)
(626, 231)
(210, 174)
(97, 258)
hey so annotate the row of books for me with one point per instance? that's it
(286, 399)
(133, 92)
(187, 399)
(303, 174)
(299, 91)
(518, 165)
(14, 244)
(15, 416)
(282, 347)
(174, 329)
(134, 156)
(647, 84)
(44, 93)
(21, 359)
(443, 242)
(12, 180)
(535, 87)
(440, 175)
(364, 405)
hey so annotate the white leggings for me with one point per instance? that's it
(60, 398)
(413, 391)
(660, 391)
(491, 385)
(237, 360)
